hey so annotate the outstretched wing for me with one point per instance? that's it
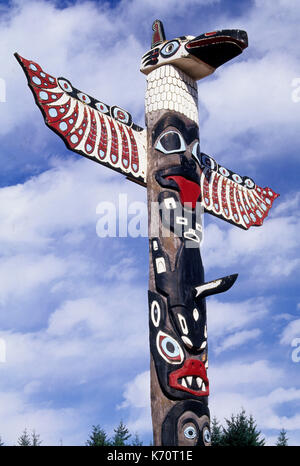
(231, 197)
(95, 130)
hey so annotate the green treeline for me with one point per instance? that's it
(239, 431)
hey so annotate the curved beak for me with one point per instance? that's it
(218, 47)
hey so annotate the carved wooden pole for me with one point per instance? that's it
(177, 310)
(180, 182)
(179, 384)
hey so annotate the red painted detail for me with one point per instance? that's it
(194, 368)
(61, 111)
(70, 121)
(80, 131)
(233, 204)
(239, 202)
(114, 150)
(134, 151)
(214, 40)
(102, 147)
(47, 81)
(215, 195)
(205, 188)
(156, 34)
(52, 96)
(189, 190)
(225, 209)
(125, 148)
(91, 139)
(210, 33)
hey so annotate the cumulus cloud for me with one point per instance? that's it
(271, 250)
(73, 309)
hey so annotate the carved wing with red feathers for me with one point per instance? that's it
(92, 128)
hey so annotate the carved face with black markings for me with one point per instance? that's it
(177, 152)
(177, 333)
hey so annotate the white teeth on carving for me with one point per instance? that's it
(190, 380)
(199, 382)
(183, 382)
(203, 387)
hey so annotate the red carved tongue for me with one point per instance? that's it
(189, 190)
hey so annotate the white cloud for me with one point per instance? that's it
(226, 317)
(20, 274)
(237, 339)
(254, 93)
(291, 331)
(137, 399)
(271, 250)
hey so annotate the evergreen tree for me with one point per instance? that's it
(121, 435)
(136, 442)
(98, 438)
(24, 439)
(282, 439)
(35, 439)
(216, 433)
(241, 432)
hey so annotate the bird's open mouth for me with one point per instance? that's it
(191, 378)
(218, 47)
(184, 180)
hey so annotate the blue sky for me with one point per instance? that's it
(73, 306)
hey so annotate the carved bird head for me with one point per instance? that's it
(196, 56)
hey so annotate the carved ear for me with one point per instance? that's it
(216, 286)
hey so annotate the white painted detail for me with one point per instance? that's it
(155, 316)
(174, 89)
(181, 221)
(170, 203)
(207, 286)
(195, 314)
(160, 265)
(187, 341)
(191, 235)
(189, 380)
(183, 325)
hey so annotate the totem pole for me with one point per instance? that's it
(166, 158)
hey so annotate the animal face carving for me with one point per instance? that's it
(196, 56)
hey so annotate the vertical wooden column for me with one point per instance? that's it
(177, 318)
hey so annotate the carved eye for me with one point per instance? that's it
(65, 85)
(101, 107)
(169, 49)
(208, 161)
(190, 432)
(170, 143)
(84, 98)
(168, 348)
(196, 152)
(249, 183)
